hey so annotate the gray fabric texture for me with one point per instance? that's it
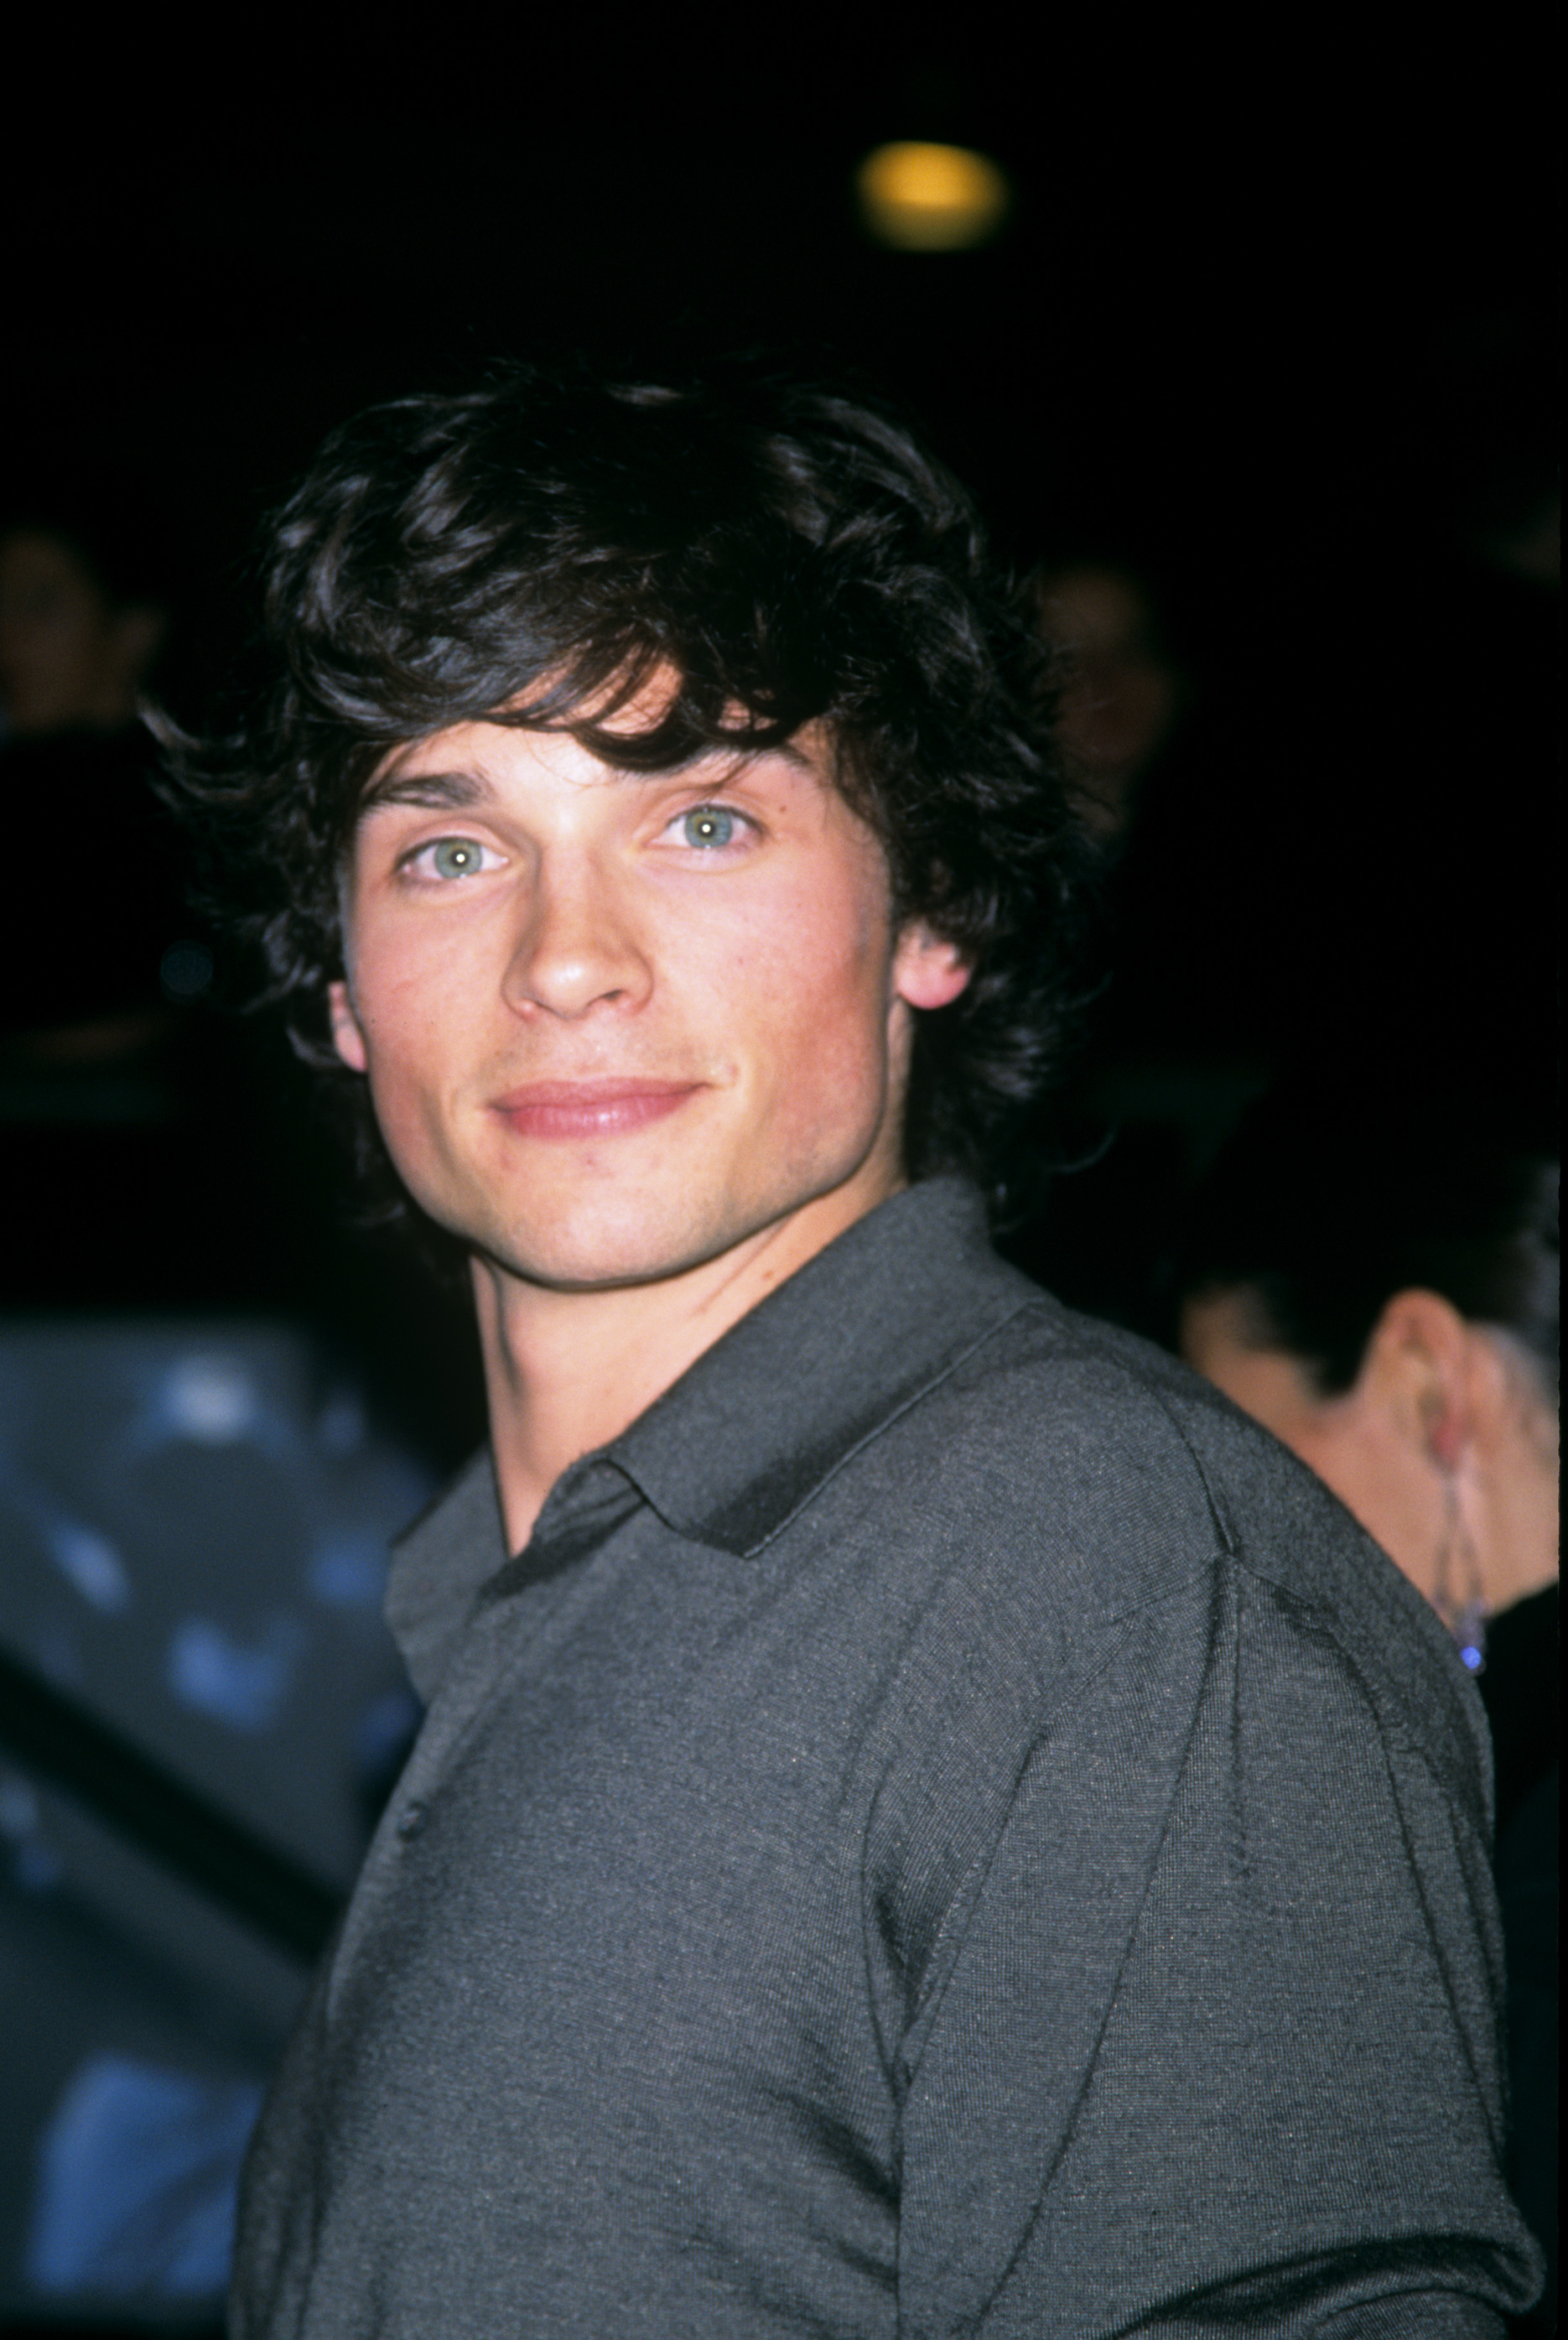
(946, 1828)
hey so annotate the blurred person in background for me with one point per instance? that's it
(1309, 839)
(1139, 761)
(102, 1069)
(86, 974)
(75, 646)
(1119, 689)
(1377, 1283)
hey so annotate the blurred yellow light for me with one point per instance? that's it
(925, 198)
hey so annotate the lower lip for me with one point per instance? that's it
(614, 1116)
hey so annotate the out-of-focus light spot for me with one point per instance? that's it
(94, 1566)
(34, 1863)
(138, 2173)
(245, 1687)
(18, 1810)
(211, 1400)
(349, 1571)
(185, 971)
(926, 198)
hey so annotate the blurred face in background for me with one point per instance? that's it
(1120, 694)
(70, 660)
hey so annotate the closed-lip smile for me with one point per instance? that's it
(606, 1108)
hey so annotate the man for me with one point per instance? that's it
(927, 1822)
(79, 632)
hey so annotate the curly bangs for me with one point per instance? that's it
(534, 551)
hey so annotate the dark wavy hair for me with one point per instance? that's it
(1333, 1195)
(541, 546)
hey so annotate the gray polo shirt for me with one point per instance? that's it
(946, 1828)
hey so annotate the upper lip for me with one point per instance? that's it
(603, 1089)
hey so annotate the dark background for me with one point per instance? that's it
(1269, 324)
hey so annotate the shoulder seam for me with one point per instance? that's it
(886, 1422)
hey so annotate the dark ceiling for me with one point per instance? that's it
(1276, 279)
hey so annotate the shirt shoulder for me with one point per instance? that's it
(439, 1564)
(1086, 1476)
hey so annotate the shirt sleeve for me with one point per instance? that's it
(1209, 2040)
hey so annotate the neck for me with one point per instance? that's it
(568, 1371)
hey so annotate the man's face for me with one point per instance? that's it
(615, 1024)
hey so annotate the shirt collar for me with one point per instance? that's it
(765, 1418)
(772, 1411)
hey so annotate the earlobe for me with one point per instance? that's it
(346, 1035)
(928, 970)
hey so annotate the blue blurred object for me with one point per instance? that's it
(214, 1674)
(194, 1524)
(138, 2176)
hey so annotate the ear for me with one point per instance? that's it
(1419, 1359)
(928, 971)
(348, 1037)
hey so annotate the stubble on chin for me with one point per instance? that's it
(587, 1241)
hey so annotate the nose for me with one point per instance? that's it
(575, 952)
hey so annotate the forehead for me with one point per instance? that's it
(630, 706)
(470, 763)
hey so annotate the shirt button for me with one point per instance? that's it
(411, 1820)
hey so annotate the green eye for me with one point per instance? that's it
(708, 826)
(456, 856)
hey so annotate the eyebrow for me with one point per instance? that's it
(441, 791)
(460, 790)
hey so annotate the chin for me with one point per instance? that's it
(587, 1246)
(585, 1240)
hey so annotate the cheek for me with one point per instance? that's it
(409, 1006)
(414, 977)
(809, 982)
